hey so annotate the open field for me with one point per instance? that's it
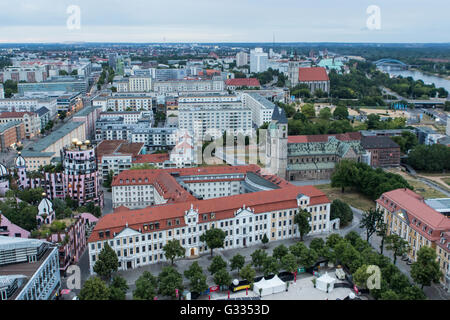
(419, 187)
(351, 197)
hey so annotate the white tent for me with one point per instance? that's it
(264, 286)
(267, 287)
(325, 281)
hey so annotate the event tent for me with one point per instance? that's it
(271, 286)
(323, 282)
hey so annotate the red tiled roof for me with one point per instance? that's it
(13, 114)
(415, 207)
(152, 158)
(349, 136)
(241, 82)
(312, 74)
(224, 208)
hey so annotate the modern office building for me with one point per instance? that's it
(29, 269)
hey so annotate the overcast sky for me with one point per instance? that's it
(224, 21)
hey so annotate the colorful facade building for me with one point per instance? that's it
(76, 177)
(408, 216)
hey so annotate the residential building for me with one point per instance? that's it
(28, 105)
(77, 176)
(31, 121)
(47, 148)
(129, 103)
(2, 91)
(44, 116)
(262, 109)
(116, 156)
(241, 59)
(11, 133)
(29, 269)
(171, 86)
(27, 74)
(240, 83)
(9, 229)
(258, 60)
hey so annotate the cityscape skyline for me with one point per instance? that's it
(43, 21)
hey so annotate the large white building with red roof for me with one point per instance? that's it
(408, 216)
(183, 203)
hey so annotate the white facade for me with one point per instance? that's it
(163, 87)
(262, 109)
(258, 60)
(129, 103)
(241, 59)
(214, 119)
(28, 105)
(2, 92)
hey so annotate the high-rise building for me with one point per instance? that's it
(241, 59)
(258, 60)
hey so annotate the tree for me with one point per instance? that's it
(309, 258)
(169, 280)
(302, 221)
(265, 240)
(369, 221)
(317, 244)
(333, 239)
(298, 250)
(196, 277)
(214, 238)
(173, 249)
(340, 113)
(248, 273)
(108, 180)
(94, 289)
(237, 262)
(118, 288)
(412, 293)
(389, 295)
(397, 245)
(280, 251)
(339, 209)
(308, 110)
(217, 264)
(222, 277)
(344, 175)
(382, 230)
(289, 263)
(361, 276)
(270, 266)
(146, 287)
(258, 258)
(325, 113)
(107, 262)
(425, 270)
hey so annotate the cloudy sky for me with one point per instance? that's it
(224, 21)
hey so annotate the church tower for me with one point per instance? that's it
(276, 143)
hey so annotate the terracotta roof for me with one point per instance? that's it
(240, 82)
(349, 136)
(13, 114)
(313, 74)
(415, 207)
(224, 208)
(151, 158)
(108, 147)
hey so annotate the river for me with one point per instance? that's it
(417, 75)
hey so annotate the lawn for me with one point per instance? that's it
(351, 197)
(446, 180)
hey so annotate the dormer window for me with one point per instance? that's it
(100, 234)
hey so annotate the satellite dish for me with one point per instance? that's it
(235, 282)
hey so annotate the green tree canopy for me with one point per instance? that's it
(107, 262)
(214, 238)
(425, 270)
(94, 289)
(146, 287)
(217, 264)
(168, 280)
(173, 249)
